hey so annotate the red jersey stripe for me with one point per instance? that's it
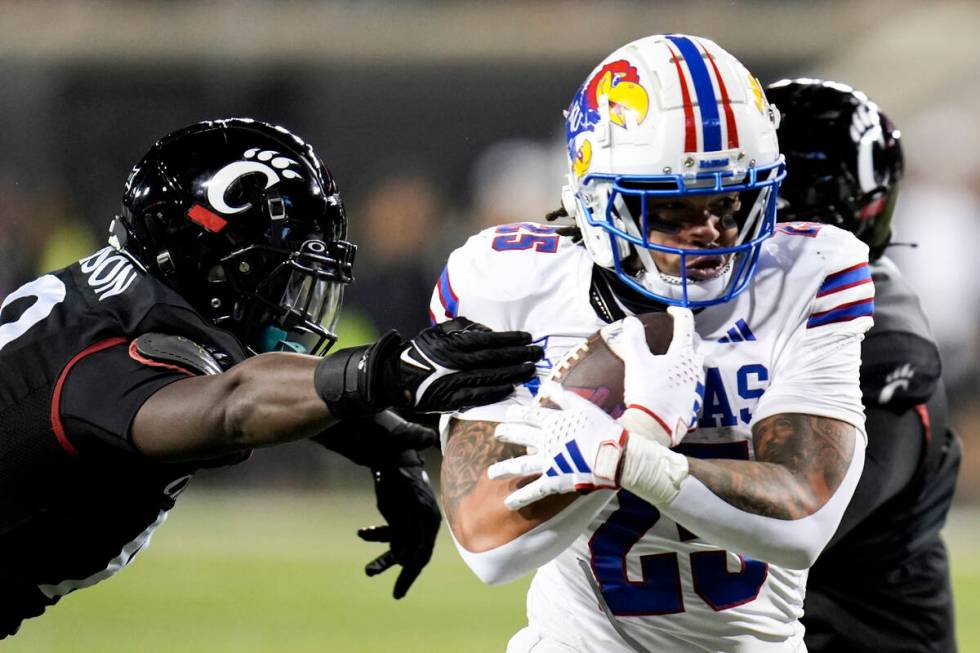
(56, 425)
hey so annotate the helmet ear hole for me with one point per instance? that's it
(216, 274)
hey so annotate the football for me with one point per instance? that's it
(593, 371)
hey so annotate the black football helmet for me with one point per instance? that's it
(843, 159)
(244, 221)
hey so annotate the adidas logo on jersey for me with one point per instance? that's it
(738, 333)
(108, 273)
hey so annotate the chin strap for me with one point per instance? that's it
(602, 299)
(613, 300)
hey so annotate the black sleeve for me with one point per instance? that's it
(892, 458)
(898, 369)
(102, 394)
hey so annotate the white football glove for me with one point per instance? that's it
(662, 394)
(576, 449)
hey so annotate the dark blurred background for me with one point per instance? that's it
(439, 118)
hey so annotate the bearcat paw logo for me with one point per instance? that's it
(256, 160)
(900, 377)
(275, 160)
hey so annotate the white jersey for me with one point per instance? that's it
(770, 350)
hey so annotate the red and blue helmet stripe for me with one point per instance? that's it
(706, 98)
(704, 90)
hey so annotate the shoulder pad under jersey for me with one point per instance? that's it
(176, 351)
(502, 271)
(900, 364)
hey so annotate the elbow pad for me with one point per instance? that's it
(175, 352)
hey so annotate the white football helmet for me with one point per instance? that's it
(671, 116)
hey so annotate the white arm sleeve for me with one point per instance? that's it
(794, 544)
(510, 561)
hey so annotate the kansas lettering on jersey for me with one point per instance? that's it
(78, 500)
(766, 352)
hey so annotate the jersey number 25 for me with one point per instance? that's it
(660, 592)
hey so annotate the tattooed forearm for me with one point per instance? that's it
(800, 460)
(471, 449)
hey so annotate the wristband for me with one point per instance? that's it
(362, 380)
(653, 472)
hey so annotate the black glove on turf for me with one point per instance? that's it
(447, 367)
(406, 502)
(387, 444)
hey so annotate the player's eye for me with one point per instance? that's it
(723, 205)
(654, 223)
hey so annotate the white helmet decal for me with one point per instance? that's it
(224, 178)
(866, 132)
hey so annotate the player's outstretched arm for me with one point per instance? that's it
(261, 401)
(280, 397)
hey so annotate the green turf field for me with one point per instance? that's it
(282, 573)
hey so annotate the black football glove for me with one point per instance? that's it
(387, 444)
(406, 502)
(460, 363)
(447, 367)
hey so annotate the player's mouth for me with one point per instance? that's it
(702, 268)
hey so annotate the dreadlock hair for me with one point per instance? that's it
(571, 231)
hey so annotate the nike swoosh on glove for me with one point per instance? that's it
(460, 363)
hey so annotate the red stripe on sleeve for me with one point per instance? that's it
(856, 302)
(854, 284)
(926, 422)
(56, 425)
(831, 277)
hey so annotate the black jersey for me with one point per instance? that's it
(78, 499)
(882, 584)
